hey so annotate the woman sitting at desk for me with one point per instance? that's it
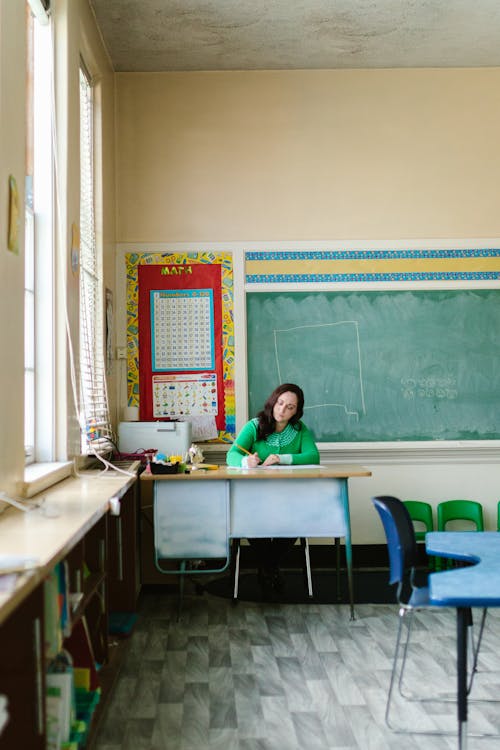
(276, 436)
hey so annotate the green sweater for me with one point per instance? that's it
(294, 446)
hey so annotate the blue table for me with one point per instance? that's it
(476, 585)
(196, 515)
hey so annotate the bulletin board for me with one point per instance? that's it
(180, 337)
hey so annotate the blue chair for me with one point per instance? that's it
(402, 549)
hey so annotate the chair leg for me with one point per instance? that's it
(308, 567)
(409, 623)
(337, 568)
(182, 569)
(236, 570)
(405, 613)
(394, 670)
(408, 615)
(475, 648)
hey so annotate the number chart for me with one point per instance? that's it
(182, 329)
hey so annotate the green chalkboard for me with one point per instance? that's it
(381, 365)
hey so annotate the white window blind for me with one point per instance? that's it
(95, 420)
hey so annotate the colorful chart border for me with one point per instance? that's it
(225, 260)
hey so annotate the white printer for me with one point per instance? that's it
(171, 438)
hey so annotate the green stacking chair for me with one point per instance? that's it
(459, 510)
(423, 521)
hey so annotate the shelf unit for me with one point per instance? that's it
(22, 675)
(102, 567)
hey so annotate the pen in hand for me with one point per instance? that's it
(244, 450)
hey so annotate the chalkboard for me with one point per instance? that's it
(381, 365)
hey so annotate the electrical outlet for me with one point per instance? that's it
(121, 352)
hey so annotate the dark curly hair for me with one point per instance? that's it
(267, 423)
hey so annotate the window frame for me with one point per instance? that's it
(39, 257)
(95, 422)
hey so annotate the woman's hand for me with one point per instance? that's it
(253, 460)
(271, 460)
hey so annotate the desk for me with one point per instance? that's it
(197, 514)
(463, 588)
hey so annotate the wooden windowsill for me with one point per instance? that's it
(38, 477)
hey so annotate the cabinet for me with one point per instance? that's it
(124, 577)
(100, 555)
(87, 580)
(21, 675)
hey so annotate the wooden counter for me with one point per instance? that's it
(69, 522)
(49, 532)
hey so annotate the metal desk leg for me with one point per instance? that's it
(463, 615)
(236, 572)
(308, 568)
(337, 567)
(348, 547)
(182, 569)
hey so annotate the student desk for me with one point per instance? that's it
(197, 514)
(473, 586)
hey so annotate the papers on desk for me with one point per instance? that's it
(277, 467)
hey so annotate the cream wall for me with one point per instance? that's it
(308, 155)
(317, 159)
(75, 32)
(12, 162)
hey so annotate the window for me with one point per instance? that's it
(39, 348)
(95, 421)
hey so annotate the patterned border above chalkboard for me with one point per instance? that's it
(371, 265)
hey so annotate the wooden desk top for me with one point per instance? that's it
(332, 471)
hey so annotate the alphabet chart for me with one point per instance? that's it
(186, 395)
(182, 329)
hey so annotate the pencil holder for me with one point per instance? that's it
(164, 468)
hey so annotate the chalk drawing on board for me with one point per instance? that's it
(444, 387)
(333, 351)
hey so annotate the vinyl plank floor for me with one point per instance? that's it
(272, 676)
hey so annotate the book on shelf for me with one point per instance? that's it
(80, 647)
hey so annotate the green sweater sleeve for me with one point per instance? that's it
(309, 453)
(246, 438)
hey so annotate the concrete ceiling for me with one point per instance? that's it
(162, 35)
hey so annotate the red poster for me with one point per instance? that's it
(176, 277)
